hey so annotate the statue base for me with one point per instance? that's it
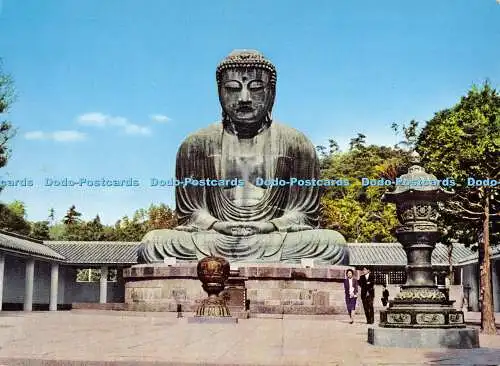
(463, 338)
(251, 288)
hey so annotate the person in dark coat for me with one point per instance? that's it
(385, 296)
(351, 292)
(367, 282)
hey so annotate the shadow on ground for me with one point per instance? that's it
(35, 362)
(477, 356)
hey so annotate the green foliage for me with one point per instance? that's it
(144, 220)
(461, 142)
(52, 216)
(74, 228)
(88, 275)
(72, 216)
(94, 275)
(7, 96)
(410, 135)
(40, 230)
(11, 221)
(356, 211)
(18, 208)
(57, 231)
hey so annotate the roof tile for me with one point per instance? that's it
(393, 254)
(96, 252)
(27, 246)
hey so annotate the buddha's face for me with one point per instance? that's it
(246, 95)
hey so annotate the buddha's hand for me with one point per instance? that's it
(295, 228)
(189, 229)
(243, 228)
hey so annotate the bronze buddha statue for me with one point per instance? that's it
(250, 222)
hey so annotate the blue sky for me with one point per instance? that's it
(110, 88)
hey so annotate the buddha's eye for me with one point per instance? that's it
(232, 85)
(256, 85)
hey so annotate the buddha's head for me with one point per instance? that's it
(247, 87)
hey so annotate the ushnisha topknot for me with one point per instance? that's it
(246, 59)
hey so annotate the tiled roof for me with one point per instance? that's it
(27, 246)
(125, 253)
(494, 254)
(392, 254)
(96, 252)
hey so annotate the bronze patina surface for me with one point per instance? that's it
(255, 220)
(213, 272)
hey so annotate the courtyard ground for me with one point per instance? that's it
(126, 338)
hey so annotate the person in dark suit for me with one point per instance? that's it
(351, 292)
(385, 296)
(367, 282)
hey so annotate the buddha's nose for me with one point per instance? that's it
(244, 97)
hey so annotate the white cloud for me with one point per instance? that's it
(93, 119)
(118, 121)
(34, 135)
(59, 136)
(132, 129)
(69, 135)
(160, 118)
(98, 119)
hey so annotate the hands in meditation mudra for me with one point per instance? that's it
(250, 222)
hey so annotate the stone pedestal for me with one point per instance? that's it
(424, 338)
(269, 288)
(235, 293)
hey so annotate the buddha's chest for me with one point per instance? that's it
(247, 159)
(246, 167)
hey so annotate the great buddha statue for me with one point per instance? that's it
(249, 222)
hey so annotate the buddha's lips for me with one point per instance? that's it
(244, 109)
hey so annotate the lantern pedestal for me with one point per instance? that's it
(420, 316)
(464, 338)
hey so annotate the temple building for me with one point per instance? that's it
(58, 275)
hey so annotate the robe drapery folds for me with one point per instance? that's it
(278, 152)
(286, 153)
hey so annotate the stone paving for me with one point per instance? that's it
(126, 338)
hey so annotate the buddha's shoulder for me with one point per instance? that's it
(211, 131)
(290, 133)
(283, 128)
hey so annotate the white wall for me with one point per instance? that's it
(14, 281)
(69, 291)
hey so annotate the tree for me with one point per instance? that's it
(40, 230)
(57, 232)
(73, 225)
(410, 135)
(356, 211)
(160, 217)
(72, 216)
(463, 143)
(155, 217)
(12, 222)
(52, 216)
(18, 208)
(94, 230)
(7, 97)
